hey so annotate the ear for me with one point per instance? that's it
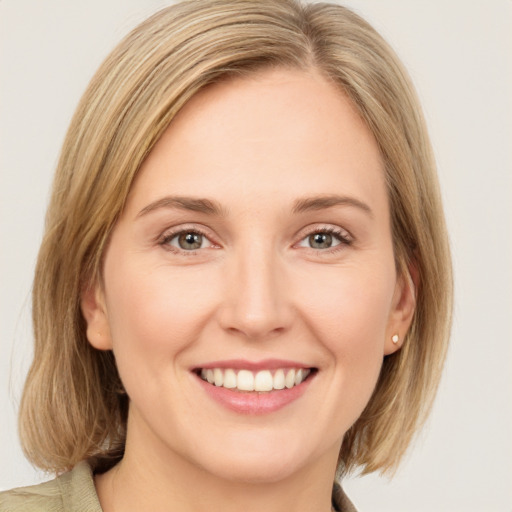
(402, 311)
(92, 304)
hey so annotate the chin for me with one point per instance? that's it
(258, 461)
(257, 469)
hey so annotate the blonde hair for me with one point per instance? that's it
(72, 407)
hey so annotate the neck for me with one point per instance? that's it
(161, 480)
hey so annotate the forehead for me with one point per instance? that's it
(281, 130)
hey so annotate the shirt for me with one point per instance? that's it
(75, 492)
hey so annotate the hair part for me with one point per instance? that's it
(73, 406)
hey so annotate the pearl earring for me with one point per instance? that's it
(395, 338)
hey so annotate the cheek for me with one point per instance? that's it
(154, 316)
(350, 315)
(351, 306)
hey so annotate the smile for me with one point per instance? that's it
(259, 381)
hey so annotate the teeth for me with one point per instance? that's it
(229, 379)
(218, 377)
(263, 381)
(289, 380)
(246, 380)
(279, 379)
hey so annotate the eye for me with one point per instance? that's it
(325, 239)
(187, 240)
(322, 241)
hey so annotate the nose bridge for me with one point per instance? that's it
(256, 305)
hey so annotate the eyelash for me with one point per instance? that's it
(341, 235)
(166, 238)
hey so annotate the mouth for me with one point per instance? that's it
(261, 381)
(255, 387)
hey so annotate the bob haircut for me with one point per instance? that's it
(73, 405)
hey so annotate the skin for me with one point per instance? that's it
(256, 289)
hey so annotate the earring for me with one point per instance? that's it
(395, 338)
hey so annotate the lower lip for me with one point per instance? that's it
(254, 402)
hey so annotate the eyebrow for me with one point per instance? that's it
(210, 207)
(195, 204)
(328, 201)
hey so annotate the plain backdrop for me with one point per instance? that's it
(459, 55)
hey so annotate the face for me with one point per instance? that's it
(249, 290)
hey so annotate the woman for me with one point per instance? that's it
(245, 286)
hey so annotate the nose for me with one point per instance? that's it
(256, 304)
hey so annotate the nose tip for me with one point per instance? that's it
(253, 328)
(256, 304)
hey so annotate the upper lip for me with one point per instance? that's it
(243, 364)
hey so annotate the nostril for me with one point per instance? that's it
(255, 331)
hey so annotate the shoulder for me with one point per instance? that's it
(71, 492)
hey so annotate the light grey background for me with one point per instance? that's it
(459, 55)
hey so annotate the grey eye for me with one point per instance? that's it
(189, 241)
(320, 240)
